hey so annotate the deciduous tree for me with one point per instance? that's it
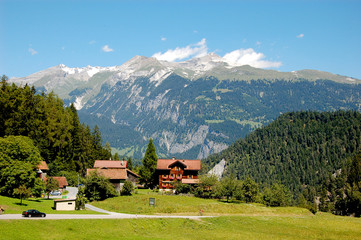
(22, 192)
(18, 161)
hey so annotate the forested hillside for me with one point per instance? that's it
(64, 143)
(299, 149)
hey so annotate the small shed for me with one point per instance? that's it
(64, 204)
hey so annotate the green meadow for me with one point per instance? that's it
(186, 205)
(12, 206)
(320, 226)
(234, 220)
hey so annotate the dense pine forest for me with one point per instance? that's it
(63, 142)
(299, 149)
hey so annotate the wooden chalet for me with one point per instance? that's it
(171, 170)
(116, 171)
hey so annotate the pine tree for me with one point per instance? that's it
(130, 163)
(147, 171)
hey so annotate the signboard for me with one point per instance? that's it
(151, 201)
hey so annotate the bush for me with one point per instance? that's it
(98, 187)
(80, 199)
(277, 195)
(182, 188)
(127, 188)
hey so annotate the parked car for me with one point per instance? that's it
(33, 213)
(55, 193)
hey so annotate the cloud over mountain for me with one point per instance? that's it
(249, 57)
(235, 58)
(199, 49)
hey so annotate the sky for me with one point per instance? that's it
(281, 35)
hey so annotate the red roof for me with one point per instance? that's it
(133, 173)
(111, 173)
(110, 164)
(164, 164)
(61, 180)
(43, 166)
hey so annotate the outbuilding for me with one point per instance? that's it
(64, 204)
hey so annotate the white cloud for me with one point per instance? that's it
(32, 51)
(249, 57)
(92, 42)
(163, 39)
(180, 53)
(106, 48)
(300, 35)
(235, 58)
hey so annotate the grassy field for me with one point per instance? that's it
(185, 205)
(321, 226)
(12, 205)
(233, 221)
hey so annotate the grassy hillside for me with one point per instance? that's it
(185, 205)
(233, 221)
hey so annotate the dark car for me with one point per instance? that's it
(33, 213)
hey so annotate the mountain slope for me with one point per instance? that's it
(298, 149)
(191, 109)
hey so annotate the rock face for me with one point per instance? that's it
(218, 169)
(191, 109)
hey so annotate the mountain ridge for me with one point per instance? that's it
(193, 108)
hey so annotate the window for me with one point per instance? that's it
(190, 176)
(70, 203)
(172, 176)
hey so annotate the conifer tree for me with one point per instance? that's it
(147, 171)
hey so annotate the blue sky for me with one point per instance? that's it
(282, 35)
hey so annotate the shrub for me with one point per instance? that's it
(127, 188)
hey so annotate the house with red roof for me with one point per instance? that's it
(172, 170)
(42, 169)
(63, 183)
(116, 170)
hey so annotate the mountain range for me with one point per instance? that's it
(191, 109)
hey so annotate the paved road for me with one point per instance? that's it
(93, 216)
(106, 215)
(72, 192)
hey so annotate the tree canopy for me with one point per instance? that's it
(63, 142)
(18, 161)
